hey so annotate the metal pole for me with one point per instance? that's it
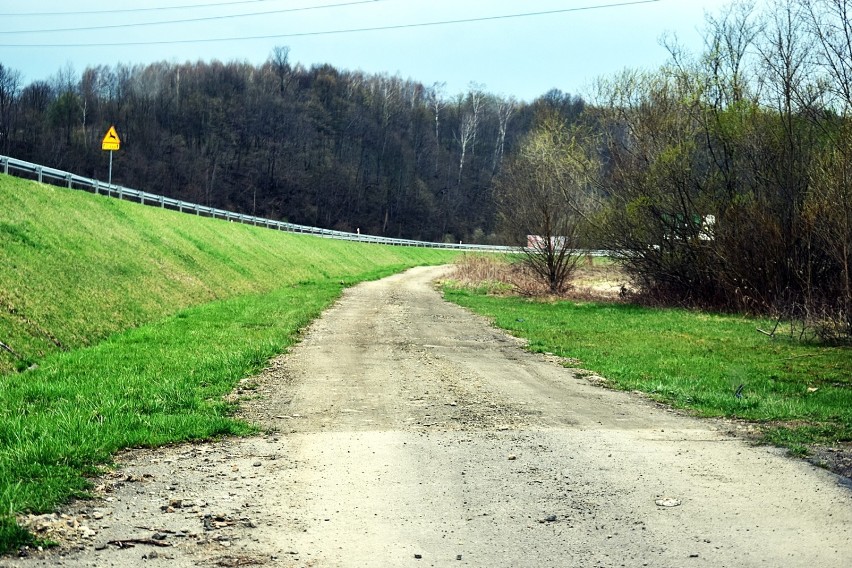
(110, 167)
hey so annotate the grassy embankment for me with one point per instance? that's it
(138, 321)
(797, 394)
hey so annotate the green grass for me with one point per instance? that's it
(152, 385)
(13, 536)
(78, 267)
(800, 394)
(140, 321)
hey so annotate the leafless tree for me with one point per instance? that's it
(476, 96)
(436, 105)
(470, 118)
(505, 109)
(467, 133)
(280, 62)
(10, 85)
(542, 197)
(830, 21)
(728, 38)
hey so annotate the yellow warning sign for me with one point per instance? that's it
(111, 140)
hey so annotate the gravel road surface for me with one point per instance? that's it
(404, 431)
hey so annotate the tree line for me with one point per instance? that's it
(319, 146)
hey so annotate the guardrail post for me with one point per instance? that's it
(97, 185)
(162, 202)
(68, 179)
(121, 192)
(180, 206)
(6, 166)
(38, 170)
(142, 198)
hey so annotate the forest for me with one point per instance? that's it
(318, 146)
(721, 179)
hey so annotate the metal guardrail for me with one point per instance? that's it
(53, 176)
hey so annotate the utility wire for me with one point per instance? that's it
(129, 10)
(190, 20)
(343, 31)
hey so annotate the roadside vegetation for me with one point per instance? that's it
(720, 180)
(126, 326)
(793, 393)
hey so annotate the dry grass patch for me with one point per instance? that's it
(594, 279)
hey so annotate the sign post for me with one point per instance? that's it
(111, 142)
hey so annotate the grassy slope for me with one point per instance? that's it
(802, 394)
(78, 267)
(141, 320)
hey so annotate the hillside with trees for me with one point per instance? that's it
(319, 146)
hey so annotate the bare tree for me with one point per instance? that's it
(727, 41)
(505, 110)
(467, 133)
(10, 85)
(476, 96)
(543, 197)
(469, 124)
(436, 105)
(830, 21)
(280, 62)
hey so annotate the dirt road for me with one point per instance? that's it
(407, 432)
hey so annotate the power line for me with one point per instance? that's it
(343, 31)
(129, 10)
(190, 20)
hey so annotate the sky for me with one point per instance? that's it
(508, 47)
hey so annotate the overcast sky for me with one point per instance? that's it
(510, 50)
